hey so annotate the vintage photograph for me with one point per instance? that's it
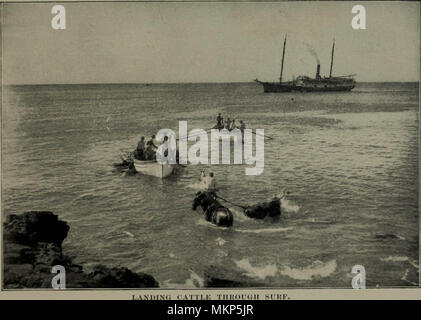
(210, 145)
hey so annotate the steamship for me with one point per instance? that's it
(305, 83)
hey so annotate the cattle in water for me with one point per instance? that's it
(264, 210)
(214, 212)
(126, 166)
(271, 210)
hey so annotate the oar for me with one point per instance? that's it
(262, 135)
(265, 136)
(196, 135)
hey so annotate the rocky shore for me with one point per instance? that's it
(32, 246)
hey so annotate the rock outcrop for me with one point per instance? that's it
(32, 246)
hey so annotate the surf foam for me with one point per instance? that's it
(316, 269)
(262, 272)
(266, 230)
(401, 259)
(195, 281)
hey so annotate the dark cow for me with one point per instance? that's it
(214, 211)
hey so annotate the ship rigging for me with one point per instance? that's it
(305, 83)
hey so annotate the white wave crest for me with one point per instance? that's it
(395, 258)
(404, 278)
(316, 269)
(131, 235)
(266, 230)
(262, 272)
(195, 281)
(412, 262)
(203, 222)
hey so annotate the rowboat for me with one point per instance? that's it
(153, 168)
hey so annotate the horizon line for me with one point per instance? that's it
(174, 83)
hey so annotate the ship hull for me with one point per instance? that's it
(323, 89)
(279, 88)
(276, 87)
(325, 84)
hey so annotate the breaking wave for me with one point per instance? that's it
(266, 230)
(401, 259)
(195, 281)
(204, 223)
(262, 272)
(405, 278)
(316, 269)
(131, 235)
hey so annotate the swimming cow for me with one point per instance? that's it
(263, 210)
(214, 212)
(271, 209)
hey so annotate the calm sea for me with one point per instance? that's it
(350, 161)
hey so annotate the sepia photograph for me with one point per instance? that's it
(223, 145)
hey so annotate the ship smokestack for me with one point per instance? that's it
(318, 71)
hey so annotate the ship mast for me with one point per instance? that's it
(331, 59)
(282, 63)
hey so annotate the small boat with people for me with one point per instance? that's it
(153, 168)
(143, 160)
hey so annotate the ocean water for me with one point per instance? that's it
(350, 161)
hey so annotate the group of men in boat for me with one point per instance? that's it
(228, 124)
(146, 150)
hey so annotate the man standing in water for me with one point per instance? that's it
(211, 183)
(208, 181)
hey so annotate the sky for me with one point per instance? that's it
(207, 42)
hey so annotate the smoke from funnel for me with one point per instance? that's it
(312, 52)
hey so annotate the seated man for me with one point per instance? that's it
(151, 142)
(150, 152)
(228, 124)
(232, 125)
(139, 153)
(242, 126)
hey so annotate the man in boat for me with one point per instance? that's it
(232, 125)
(219, 122)
(228, 124)
(151, 142)
(242, 127)
(150, 152)
(139, 153)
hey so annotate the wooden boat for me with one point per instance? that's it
(153, 168)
